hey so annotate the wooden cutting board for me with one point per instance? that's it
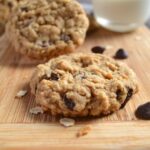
(21, 130)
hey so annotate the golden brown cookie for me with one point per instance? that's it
(7, 8)
(83, 85)
(47, 28)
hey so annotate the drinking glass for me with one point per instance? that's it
(121, 15)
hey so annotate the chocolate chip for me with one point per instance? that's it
(25, 9)
(69, 103)
(129, 95)
(44, 44)
(65, 37)
(44, 77)
(54, 76)
(98, 49)
(121, 54)
(10, 4)
(143, 111)
(118, 93)
(50, 42)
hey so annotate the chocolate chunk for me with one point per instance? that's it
(129, 95)
(54, 76)
(25, 9)
(98, 49)
(143, 111)
(50, 42)
(69, 103)
(65, 37)
(44, 77)
(10, 4)
(121, 54)
(44, 44)
(118, 93)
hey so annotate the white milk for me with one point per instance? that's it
(121, 15)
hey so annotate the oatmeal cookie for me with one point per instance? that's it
(6, 9)
(47, 28)
(83, 85)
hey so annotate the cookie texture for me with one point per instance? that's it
(7, 7)
(83, 85)
(47, 28)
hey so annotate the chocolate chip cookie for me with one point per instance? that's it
(47, 28)
(83, 85)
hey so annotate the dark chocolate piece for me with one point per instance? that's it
(25, 9)
(118, 93)
(121, 54)
(98, 49)
(44, 43)
(54, 76)
(65, 37)
(143, 111)
(10, 4)
(129, 95)
(69, 103)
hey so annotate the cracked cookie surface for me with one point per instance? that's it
(83, 85)
(47, 28)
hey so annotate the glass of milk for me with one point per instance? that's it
(121, 15)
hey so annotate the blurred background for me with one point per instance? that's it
(89, 9)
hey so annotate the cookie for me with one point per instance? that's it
(47, 28)
(83, 85)
(6, 9)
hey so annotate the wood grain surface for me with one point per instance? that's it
(104, 136)
(20, 129)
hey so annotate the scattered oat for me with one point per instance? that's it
(37, 110)
(84, 131)
(138, 38)
(67, 122)
(21, 93)
(109, 47)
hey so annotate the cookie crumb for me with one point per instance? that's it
(67, 122)
(36, 110)
(84, 131)
(21, 93)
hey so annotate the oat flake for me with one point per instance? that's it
(21, 93)
(36, 110)
(67, 122)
